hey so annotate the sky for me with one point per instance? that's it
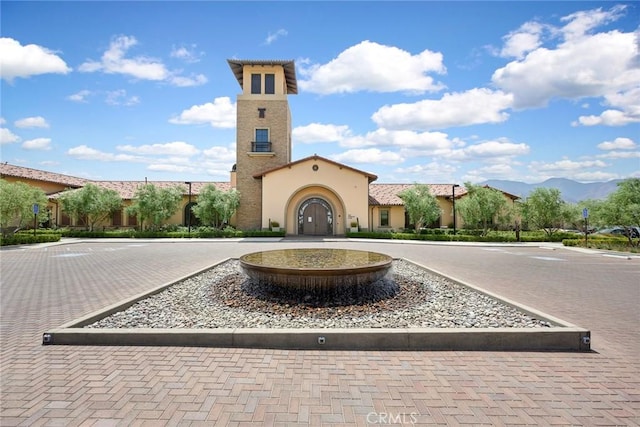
(426, 92)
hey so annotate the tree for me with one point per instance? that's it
(155, 205)
(595, 209)
(421, 205)
(484, 207)
(544, 209)
(91, 204)
(622, 207)
(216, 207)
(16, 205)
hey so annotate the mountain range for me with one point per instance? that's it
(570, 191)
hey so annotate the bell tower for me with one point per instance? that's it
(263, 129)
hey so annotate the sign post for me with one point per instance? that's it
(36, 209)
(585, 215)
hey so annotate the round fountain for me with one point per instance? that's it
(316, 270)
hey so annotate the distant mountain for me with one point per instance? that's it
(570, 191)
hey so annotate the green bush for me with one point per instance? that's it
(29, 238)
(182, 233)
(610, 243)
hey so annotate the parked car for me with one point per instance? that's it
(621, 231)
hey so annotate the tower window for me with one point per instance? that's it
(269, 84)
(261, 142)
(261, 112)
(256, 87)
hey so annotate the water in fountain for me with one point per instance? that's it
(320, 274)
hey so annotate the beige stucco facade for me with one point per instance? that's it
(341, 191)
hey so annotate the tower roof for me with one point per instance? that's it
(288, 65)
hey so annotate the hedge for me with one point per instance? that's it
(465, 236)
(29, 238)
(206, 233)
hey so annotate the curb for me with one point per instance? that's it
(563, 337)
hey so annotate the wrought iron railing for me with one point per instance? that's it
(261, 147)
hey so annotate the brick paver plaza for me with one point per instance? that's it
(43, 287)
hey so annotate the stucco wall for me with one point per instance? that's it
(396, 218)
(285, 189)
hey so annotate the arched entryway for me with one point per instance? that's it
(315, 217)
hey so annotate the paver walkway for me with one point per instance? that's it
(46, 286)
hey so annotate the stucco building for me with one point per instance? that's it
(309, 196)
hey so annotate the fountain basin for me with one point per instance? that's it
(316, 270)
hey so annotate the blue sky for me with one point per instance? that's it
(432, 92)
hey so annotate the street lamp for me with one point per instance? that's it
(453, 201)
(189, 208)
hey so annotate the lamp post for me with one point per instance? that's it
(189, 208)
(453, 201)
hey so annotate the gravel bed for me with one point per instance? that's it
(410, 297)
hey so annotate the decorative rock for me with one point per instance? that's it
(224, 297)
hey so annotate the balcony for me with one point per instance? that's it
(261, 146)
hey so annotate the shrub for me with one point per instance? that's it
(28, 238)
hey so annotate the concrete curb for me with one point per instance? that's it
(563, 337)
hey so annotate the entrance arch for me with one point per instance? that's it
(315, 217)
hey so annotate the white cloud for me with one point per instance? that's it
(475, 106)
(2, 121)
(524, 40)
(607, 118)
(581, 22)
(275, 36)
(594, 176)
(41, 144)
(80, 96)
(178, 148)
(620, 155)
(187, 54)
(166, 167)
(582, 65)
(369, 66)
(496, 151)
(494, 171)
(32, 122)
(427, 143)
(618, 144)
(566, 165)
(318, 132)
(83, 152)
(628, 110)
(8, 137)
(220, 154)
(113, 61)
(119, 97)
(193, 80)
(435, 170)
(368, 155)
(220, 113)
(29, 60)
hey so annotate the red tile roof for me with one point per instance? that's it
(40, 175)
(126, 189)
(387, 194)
